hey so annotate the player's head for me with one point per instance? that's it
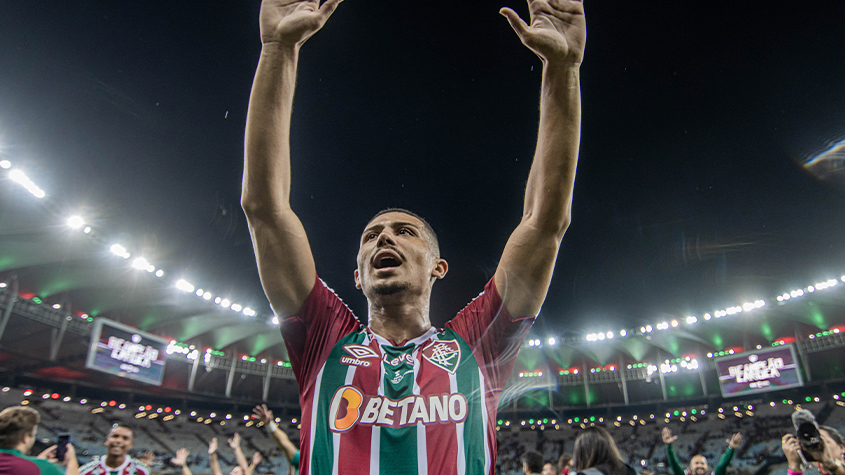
(532, 462)
(698, 465)
(398, 253)
(18, 425)
(594, 447)
(119, 441)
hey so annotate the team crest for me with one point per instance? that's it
(360, 351)
(443, 353)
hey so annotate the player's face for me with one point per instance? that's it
(698, 465)
(395, 257)
(119, 441)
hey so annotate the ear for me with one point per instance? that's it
(441, 267)
(357, 280)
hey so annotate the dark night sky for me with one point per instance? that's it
(690, 193)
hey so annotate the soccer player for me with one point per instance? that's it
(117, 460)
(698, 463)
(399, 396)
(18, 426)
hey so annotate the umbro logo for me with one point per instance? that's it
(359, 354)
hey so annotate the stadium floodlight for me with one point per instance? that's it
(2, 285)
(5, 164)
(600, 336)
(87, 230)
(623, 333)
(225, 303)
(552, 341)
(236, 307)
(249, 312)
(75, 222)
(57, 306)
(200, 292)
(691, 320)
(151, 268)
(159, 273)
(674, 323)
(140, 263)
(118, 250)
(207, 295)
(275, 320)
(610, 335)
(218, 300)
(184, 285)
(20, 177)
(648, 328)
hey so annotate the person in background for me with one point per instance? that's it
(698, 463)
(532, 463)
(279, 436)
(549, 469)
(564, 463)
(18, 426)
(596, 454)
(828, 457)
(117, 460)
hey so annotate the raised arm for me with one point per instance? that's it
(235, 444)
(557, 34)
(671, 457)
(181, 460)
(213, 464)
(284, 258)
(265, 415)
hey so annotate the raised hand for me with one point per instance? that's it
(735, 441)
(256, 458)
(263, 414)
(557, 32)
(235, 441)
(181, 457)
(790, 447)
(212, 446)
(147, 458)
(291, 22)
(668, 438)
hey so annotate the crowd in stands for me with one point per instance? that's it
(719, 444)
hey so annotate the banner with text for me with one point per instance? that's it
(770, 369)
(126, 352)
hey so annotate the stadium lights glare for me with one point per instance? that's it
(184, 285)
(225, 303)
(552, 341)
(159, 273)
(236, 307)
(207, 295)
(119, 251)
(75, 222)
(140, 263)
(5, 164)
(275, 320)
(20, 178)
(87, 230)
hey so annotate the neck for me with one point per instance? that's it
(398, 319)
(115, 461)
(21, 447)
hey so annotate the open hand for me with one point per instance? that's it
(263, 414)
(668, 438)
(291, 22)
(256, 458)
(735, 441)
(558, 30)
(235, 441)
(181, 457)
(212, 446)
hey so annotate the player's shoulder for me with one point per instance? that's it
(140, 467)
(90, 467)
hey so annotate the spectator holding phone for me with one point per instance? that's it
(18, 426)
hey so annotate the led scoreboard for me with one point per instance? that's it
(770, 369)
(126, 352)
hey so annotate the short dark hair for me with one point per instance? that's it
(564, 460)
(435, 244)
(121, 426)
(534, 461)
(15, 423)
(594, 447)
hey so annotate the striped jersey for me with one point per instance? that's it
(425, 406)
(129, 466)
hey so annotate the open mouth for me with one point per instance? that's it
(386, 260)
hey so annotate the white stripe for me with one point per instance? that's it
(484, 421)
(459, 430)
(422, 447)
(375, 439)
(314, 399)
(350, 374)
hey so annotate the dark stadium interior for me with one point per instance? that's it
(707, 215)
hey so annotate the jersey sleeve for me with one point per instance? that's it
(47, 468)
(310, 335)
(492, 334)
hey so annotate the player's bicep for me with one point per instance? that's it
(525, 270)
(285, 263)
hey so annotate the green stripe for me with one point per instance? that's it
(398, 444)
(334, 376)
(469, 384)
